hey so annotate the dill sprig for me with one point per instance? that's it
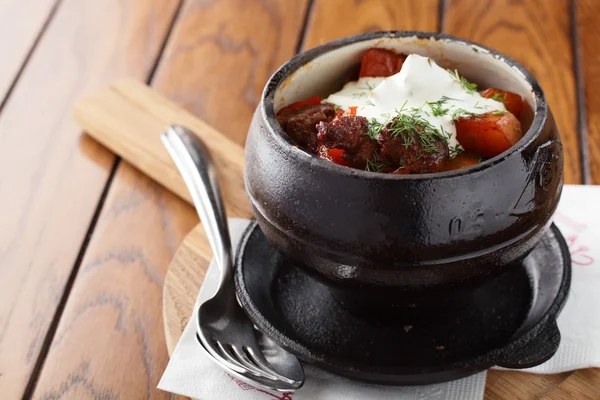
(437, 108)
(468, 86)
(416, 110)
(368, 87)
(337, 108)
(498, 97)
(374, 128)
(455, 150)
(369, 103)
(359, 95)
(374, 165)
(445, 134)
(398, 111)
(499, 112)
(407, 126)
(446, 98)
(461, 112)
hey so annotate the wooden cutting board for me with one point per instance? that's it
(128, 117)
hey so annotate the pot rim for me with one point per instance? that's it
(290, 147)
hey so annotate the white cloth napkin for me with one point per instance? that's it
(191, 373)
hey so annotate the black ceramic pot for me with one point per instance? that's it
(402, 233)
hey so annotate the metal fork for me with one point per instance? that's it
(223, 328)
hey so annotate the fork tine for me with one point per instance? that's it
(240, 362)
(244, 360)
(230, 352)
(257, 381)
(214, 351)
(262, 362)
(229, 358)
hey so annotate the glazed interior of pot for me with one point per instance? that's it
(328, 72)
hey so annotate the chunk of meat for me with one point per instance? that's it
(366, 153)
(300, 123)
(488, 135)
(343, 132)
(413, 151)
(463, 160)
(512, 101)
(380, 62)
(349, 133)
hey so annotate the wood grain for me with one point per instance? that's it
(182, 283)
(585, 384)
(50, 177)
(141, 223)
(588, 18)
(21, 22)
(111, 335)
(128, 117)
(223, 52)
(368, 16)
(538, 35)
(109, 343)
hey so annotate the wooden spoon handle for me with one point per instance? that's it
(128, 118)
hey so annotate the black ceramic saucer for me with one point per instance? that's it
(508, 322)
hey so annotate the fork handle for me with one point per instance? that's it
(194, 162)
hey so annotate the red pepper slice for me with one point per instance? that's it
(333, 155)
(380, 62)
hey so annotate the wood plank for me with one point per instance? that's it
(224, 54)
(537, 34)
(368, 16)
(585, 384)
(522, 30)
(588, 16)
(51, 178)
(111, 339)
(21, 23)
(581, 385)
(505, 385)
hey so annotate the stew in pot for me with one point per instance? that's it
(405, 115)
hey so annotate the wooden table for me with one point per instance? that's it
(85, 239)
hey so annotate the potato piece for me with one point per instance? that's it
(488, 135)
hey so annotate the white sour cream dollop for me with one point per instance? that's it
(420, 85)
